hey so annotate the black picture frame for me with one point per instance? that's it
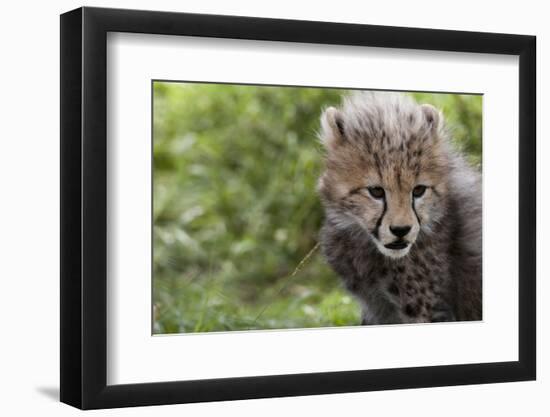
(84, 207)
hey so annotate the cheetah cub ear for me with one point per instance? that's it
(332, 128)
(432, 117)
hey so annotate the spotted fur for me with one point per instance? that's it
(432, 273)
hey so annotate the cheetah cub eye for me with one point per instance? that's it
(419, 191)
(376, 192)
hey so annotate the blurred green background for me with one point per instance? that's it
(235, 206)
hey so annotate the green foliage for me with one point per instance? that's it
(235, 207)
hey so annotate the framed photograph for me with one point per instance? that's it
(257, 208)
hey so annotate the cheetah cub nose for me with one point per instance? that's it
(400, 231)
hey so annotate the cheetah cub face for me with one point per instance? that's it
(385, 169)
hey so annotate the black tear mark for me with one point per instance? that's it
(379, 221)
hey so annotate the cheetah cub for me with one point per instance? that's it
(402, 211)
